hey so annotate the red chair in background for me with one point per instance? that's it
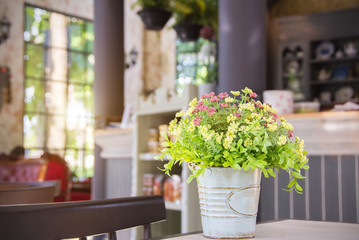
(57, 169)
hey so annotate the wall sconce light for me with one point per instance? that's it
(131, 58)
(4, 28)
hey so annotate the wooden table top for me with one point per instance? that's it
(296, 230)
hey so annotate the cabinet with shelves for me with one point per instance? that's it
(292, 69)
(309, 32)
(182, 215)
(334, 70)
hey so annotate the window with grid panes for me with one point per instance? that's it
(58, 91)
(196, 63)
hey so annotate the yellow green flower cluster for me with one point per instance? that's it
(235, 131)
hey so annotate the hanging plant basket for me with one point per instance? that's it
(154, 18)
(188, 31)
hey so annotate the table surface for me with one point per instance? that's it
(296, 230)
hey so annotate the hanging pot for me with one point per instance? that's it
(188, 31)
(154, 18)
(229, 202)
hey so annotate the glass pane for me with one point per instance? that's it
(90, 37)
(56, 64)
(55, 97)
(90, 74)
(33, 153)
(34, 96)
(34, 59)
(76, 128)
(89, 164)
(59, 152)
(36, 25)
(56, 132)
(77, 101)
(90, 141)
(89, 101)
(76, 30)
(77, 67)
(75, 158)
(34, 130)
(71, 157)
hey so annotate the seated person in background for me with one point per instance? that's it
(17, 154)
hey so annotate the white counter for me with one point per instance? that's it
(329, 133)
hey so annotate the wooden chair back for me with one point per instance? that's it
(53, 221)
(24, 193)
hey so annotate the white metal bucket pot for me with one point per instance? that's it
(229, 202)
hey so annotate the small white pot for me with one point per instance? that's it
(229, 202)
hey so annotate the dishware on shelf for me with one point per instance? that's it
(339, 54)
(350, 49)
(324, 74)
(325, 97)
(344, 94)
(341, 73)
(324, 50)
(292, 67)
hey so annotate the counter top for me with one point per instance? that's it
(295, 229)
(327, 133)
(325, 114)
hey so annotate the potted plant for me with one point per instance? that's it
(192, 15)
(228, 142)
(154, 13)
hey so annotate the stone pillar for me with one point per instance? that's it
(242, 45)
(109, 73)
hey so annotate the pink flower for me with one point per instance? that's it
(211, 111)
(290, 134)
(204, 96)
(204, 108)
(258, 104)
(214, 99)
(211, 94)
(223, 95)
(275, 116)
(197, 120)
(238, 115)
(268, 104)
(223, 105)
(199, 107)
(252, 95)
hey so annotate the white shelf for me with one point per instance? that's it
(151, 113)
(173, 206)
(151, 156)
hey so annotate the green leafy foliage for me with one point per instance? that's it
(164, 4)
(236, 132)
(203, 12)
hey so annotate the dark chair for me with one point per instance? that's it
(53, 221)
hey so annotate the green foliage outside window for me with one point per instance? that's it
(59, 78)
